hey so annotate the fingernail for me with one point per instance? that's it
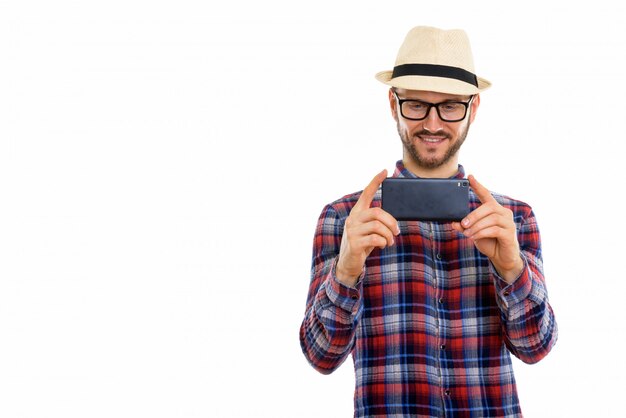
(465, 222)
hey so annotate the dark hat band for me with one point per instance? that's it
(434, 70)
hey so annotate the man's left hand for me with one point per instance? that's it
(492, 229)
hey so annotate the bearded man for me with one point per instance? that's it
(429, 310)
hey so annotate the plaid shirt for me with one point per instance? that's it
(430, 324)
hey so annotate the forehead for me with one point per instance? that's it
(430, 96)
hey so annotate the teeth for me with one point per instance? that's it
(431, 140)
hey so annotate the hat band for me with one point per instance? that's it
(434, 70)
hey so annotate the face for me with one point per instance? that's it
(431, 143)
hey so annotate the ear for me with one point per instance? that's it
(474, 107)
(393, 104)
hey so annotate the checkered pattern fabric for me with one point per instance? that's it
(430, 324)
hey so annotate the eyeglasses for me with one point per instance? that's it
(448, 111)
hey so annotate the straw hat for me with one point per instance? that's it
(432, 59)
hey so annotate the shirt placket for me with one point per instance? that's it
(439, 286)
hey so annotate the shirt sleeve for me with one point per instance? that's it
(327, 333)
(530, 329)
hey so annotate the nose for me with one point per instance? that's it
(432, 123)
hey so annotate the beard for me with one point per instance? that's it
(426, 161)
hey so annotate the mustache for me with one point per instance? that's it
(423, 132)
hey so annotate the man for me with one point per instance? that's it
(429, 310)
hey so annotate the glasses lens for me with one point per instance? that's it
(451, 111)
(414, 109)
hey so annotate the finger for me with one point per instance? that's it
(366, 243)
(365, 201)
(488, 221)
(481, 191)
(372, 241)
(378, 214)
(457, 226)
(480, 212)
(374, 228)
(494, 231)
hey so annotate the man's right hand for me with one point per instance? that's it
(365, 229)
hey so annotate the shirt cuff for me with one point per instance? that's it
(513, 293)
(345, 297)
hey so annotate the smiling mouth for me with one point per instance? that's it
(432, 139)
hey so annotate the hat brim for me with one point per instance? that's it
(430, 83)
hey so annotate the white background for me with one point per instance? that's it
(163, 164)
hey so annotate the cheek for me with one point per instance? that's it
(395, 115)
(462, 130)
(404, 126)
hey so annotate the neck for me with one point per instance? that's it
(449, 169)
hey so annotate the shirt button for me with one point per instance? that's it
(440, 300)
(447, 392)
(354, 297)
(438, 256)
(443, 346)
(507, 293)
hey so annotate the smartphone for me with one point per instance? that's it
(408, 199)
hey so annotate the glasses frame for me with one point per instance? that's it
(435, 105)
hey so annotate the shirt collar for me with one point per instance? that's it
(402, 171)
